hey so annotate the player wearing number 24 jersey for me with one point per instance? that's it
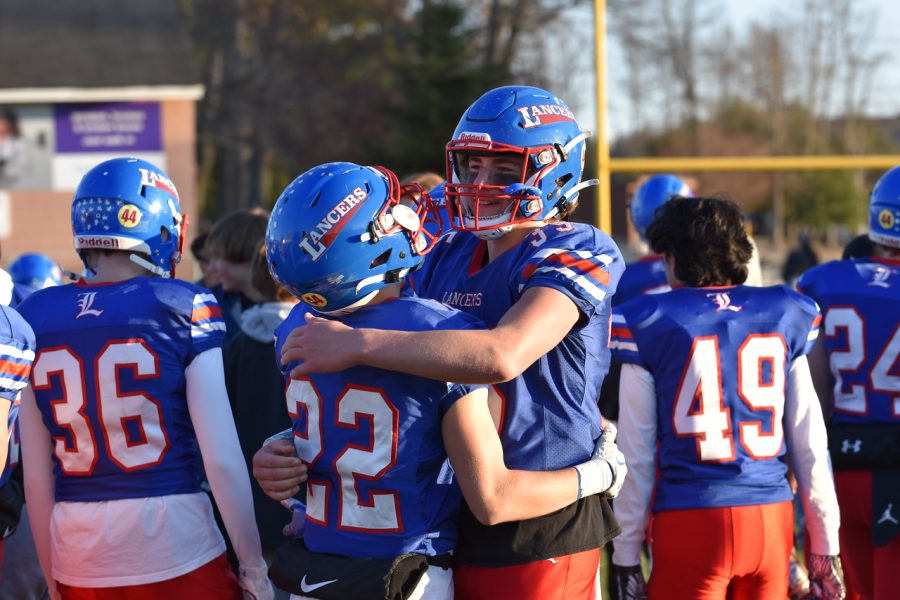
(716, 396)
(126, 393)
(856, 367)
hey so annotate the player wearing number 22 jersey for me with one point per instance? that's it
(379, 481)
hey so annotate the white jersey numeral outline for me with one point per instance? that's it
(77, 453)
(377, 511)
(850, 359)
(710, 421)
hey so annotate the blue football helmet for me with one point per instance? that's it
(884, 210)
(653, 193)
(543, 147)
(130, 204)
(340, 232)
(35, 271)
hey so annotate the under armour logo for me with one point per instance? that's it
(880, 277)
(85, 302)
(847, 445)
(723, 302)
(886, 516)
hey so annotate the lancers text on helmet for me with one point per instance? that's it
(533, 115)
(313, 243)
(157, 180)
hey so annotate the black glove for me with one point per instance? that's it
(632, 585)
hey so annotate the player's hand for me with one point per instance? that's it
(323, 346)
(608, 451)
(255, 584)
(297, 526)
(632, 585)
(826, 579)
(278, 470)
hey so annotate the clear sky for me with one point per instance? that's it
(884, 101)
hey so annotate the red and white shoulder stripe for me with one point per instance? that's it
(206, 316)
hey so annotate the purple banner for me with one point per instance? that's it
(113, 126)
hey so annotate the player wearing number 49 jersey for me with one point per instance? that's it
(856, 367)
(127, 393)
(716, 396)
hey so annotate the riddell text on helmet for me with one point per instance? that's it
(98, 242)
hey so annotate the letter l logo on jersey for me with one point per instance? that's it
(723, 302)
(85, 303)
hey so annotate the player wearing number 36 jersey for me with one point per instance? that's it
(716, 395)
(127, 392)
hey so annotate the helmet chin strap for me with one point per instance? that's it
(491, 234)
(348, 309)
(368, 297)
(142, 262)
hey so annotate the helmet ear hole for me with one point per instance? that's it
(381, 259)
(164, 234)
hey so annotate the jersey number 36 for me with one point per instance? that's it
(131, 423)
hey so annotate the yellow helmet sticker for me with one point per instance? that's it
(314, 300)
(129, 216)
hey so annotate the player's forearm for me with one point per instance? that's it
(637, 439)
(808, 448)
(462, 356)
(516, 495)
(222, 459)
(231, 487)
(38, 479)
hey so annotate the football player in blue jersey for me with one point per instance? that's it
(856, 368)
(31, 272)
(127, 395)
(342, 238)
(716, 400)
(542, 285)
(16, 356)
(648, 275)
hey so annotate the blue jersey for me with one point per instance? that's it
(719, 359)
(109, 382)
(645, 276)
(379, 482)
(860, 301)
(16, 356)
(550, 417)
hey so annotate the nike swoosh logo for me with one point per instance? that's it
(307, 588)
